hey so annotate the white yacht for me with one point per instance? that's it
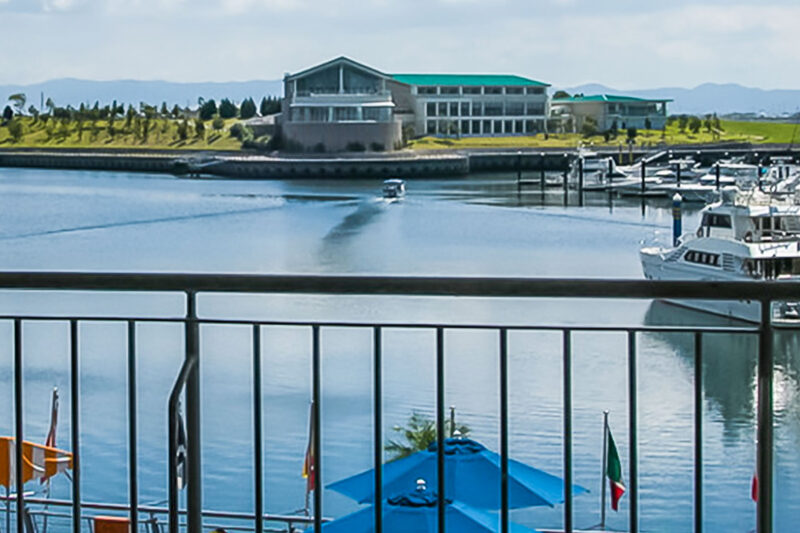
(749, 235)
(394, 189)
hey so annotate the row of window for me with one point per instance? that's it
(483, 127)
(716, 221)
(702, 258)
(480, 89)
(341, 114)
(483, 109)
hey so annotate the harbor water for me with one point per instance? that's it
(476, 226)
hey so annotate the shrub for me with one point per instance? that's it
(218, 123)
(241, 132)
(355, 147)
(16, 130)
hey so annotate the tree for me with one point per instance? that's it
(695, 124)
(176, 111)
(418, 434)
(183, 130)
(164, 111)
(34, 113)
(50, 105)
(632, 133)
(647, 124)
(589, 127)
(560, 94)
(16, 130)
(247, 109)
(707, 124)
(270, 106)
(199, 129)
(218, 123)
(683, 121)
(227, 109)
(8, 114)
(208, 109)
(18, 100)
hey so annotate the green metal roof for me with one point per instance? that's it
(607, 98)
(466, 79)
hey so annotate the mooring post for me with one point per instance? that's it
(716, 170)
(644, 171)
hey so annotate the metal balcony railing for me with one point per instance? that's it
(192, 285)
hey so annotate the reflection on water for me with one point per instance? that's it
(473, 226)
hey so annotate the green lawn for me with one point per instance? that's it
(730, 131)
(162, 134)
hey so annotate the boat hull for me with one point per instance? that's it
(656, 267)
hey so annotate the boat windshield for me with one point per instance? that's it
(773, 268)
(777, 227)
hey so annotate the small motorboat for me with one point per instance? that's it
(394, 188)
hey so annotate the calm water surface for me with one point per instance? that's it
(116, 222)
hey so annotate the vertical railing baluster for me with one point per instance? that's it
(377, 413)
(440, 428)
(194, 466)
(317, 440)
(698, 432)
(567, 390)
(633, 434)
(257, 432)
(75, 426)
(765, 419)
(18, 430)
(133, 475)
(504, 430)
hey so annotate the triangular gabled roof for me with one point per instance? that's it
(341, 59)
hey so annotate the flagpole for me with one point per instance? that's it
(603, 475)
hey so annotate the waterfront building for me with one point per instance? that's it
(339, 105)
(611, 112)
(345, 105)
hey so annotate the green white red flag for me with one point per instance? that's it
(614, 473)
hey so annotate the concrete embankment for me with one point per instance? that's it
(405, 164)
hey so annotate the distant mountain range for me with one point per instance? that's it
(712, 98)
(706, 98)
(70, 91)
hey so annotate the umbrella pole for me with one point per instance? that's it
(603, 475)
(8, 511)
(452, 421)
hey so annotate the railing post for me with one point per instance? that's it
(133, 475)
(18, 433)
(75, 426)
(194, 468)
(633, 434)
(698, 432)
(765, 419)
(258, 466)
(567, 346)
(503, 431)
(377, 392)
(440, 427)
(316, 394)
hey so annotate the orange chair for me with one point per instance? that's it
(111, 524)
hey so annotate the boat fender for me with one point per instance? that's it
(748, 237)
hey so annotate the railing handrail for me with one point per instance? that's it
(501, 287)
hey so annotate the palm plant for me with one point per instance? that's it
(418, 433)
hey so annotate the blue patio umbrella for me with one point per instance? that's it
(472, 476)
(417, 511)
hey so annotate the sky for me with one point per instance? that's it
(625, 44)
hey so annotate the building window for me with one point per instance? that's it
(471, 90)
(377, 114)
(534, 90)
(431, 127)
(343, 114)
(477, 109)
(513, 90)
(515, 108)
(476, 127)
(430, 109)
(498, 126)
(518, 126)
(464, 109)
(465, 126)
(509, 126)
(492, 90)
(448, 90)
(534, 109)
(319, 114)
(487, 127)
(426, 90)
(442, 109)
(529, 127)
(453, 109)
(494, 109)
